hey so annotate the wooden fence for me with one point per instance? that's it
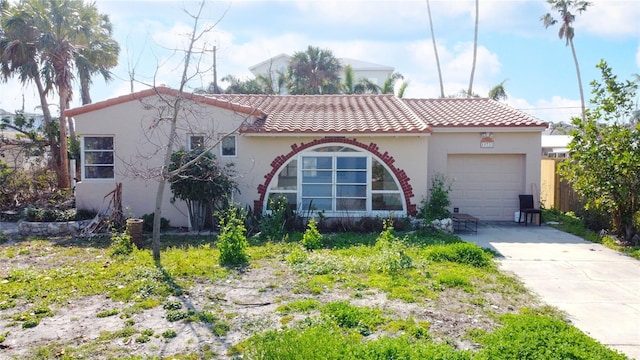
(555, 193)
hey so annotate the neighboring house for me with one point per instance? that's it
(344, 155)
(15, 150)
(555, 146)
(273, 67)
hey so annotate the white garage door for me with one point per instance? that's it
(486, 186)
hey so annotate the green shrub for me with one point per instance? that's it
(312, 239)
(169, 334)
(143, 339)
(364, 320)
(274, 225)
(49, 215)
(461, 253)
(177, 315)
(529, 336)
(436, 207)
(391, 252)
(172, 305)
(107, 313)
(232, 240)
(3, 336)
(148, 222)
(121, 244)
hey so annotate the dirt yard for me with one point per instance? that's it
(247, 301)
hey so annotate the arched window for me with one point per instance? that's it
(338, 180)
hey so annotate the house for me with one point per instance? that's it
(555, 146)
(344, 155)
(273, 67)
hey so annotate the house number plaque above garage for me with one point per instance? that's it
(486, 140)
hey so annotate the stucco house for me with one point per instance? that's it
(277, 65)
(344, 155)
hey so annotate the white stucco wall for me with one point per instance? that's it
(256, 153)
(506, 141)
(139, 149)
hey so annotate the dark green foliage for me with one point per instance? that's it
(232, 240)
(148, 222)
(201, 182)
(604, 163)
(530, 336)
(275, 225)
(462, 253)
(313, 72)
(436, 207)
(169, 334)
(50, 215)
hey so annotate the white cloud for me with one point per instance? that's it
(556, 109)
(611, 18)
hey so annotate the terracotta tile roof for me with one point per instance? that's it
(331, 114)
(347, 114)
(470, 112)
(161, 90)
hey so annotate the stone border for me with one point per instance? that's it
(62, 228)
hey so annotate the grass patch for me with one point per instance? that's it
(328, 341)
(363, 319)
(107, 313)
(299, 306)
(412, 268)
(533, 336)
(571, 224)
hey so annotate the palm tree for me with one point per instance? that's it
(435, 50)
(363, 86)
(100, 53)
(390, 83)
(475, 51)
(19, 56)
(314, 71)
(62, 33)
(566, 9)
(498, 92)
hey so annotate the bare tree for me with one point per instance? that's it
(177, 111)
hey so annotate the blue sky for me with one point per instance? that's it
(513, 45)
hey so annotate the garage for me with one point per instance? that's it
(486, 186)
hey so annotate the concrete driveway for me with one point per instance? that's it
(597, 287)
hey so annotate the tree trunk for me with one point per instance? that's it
(475, 53)
(46, 113)
(62, 169)
(177, 108)
(435, 50)
(575, 60)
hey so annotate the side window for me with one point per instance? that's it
(228, 145)
(98, 157)
(195, 142)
